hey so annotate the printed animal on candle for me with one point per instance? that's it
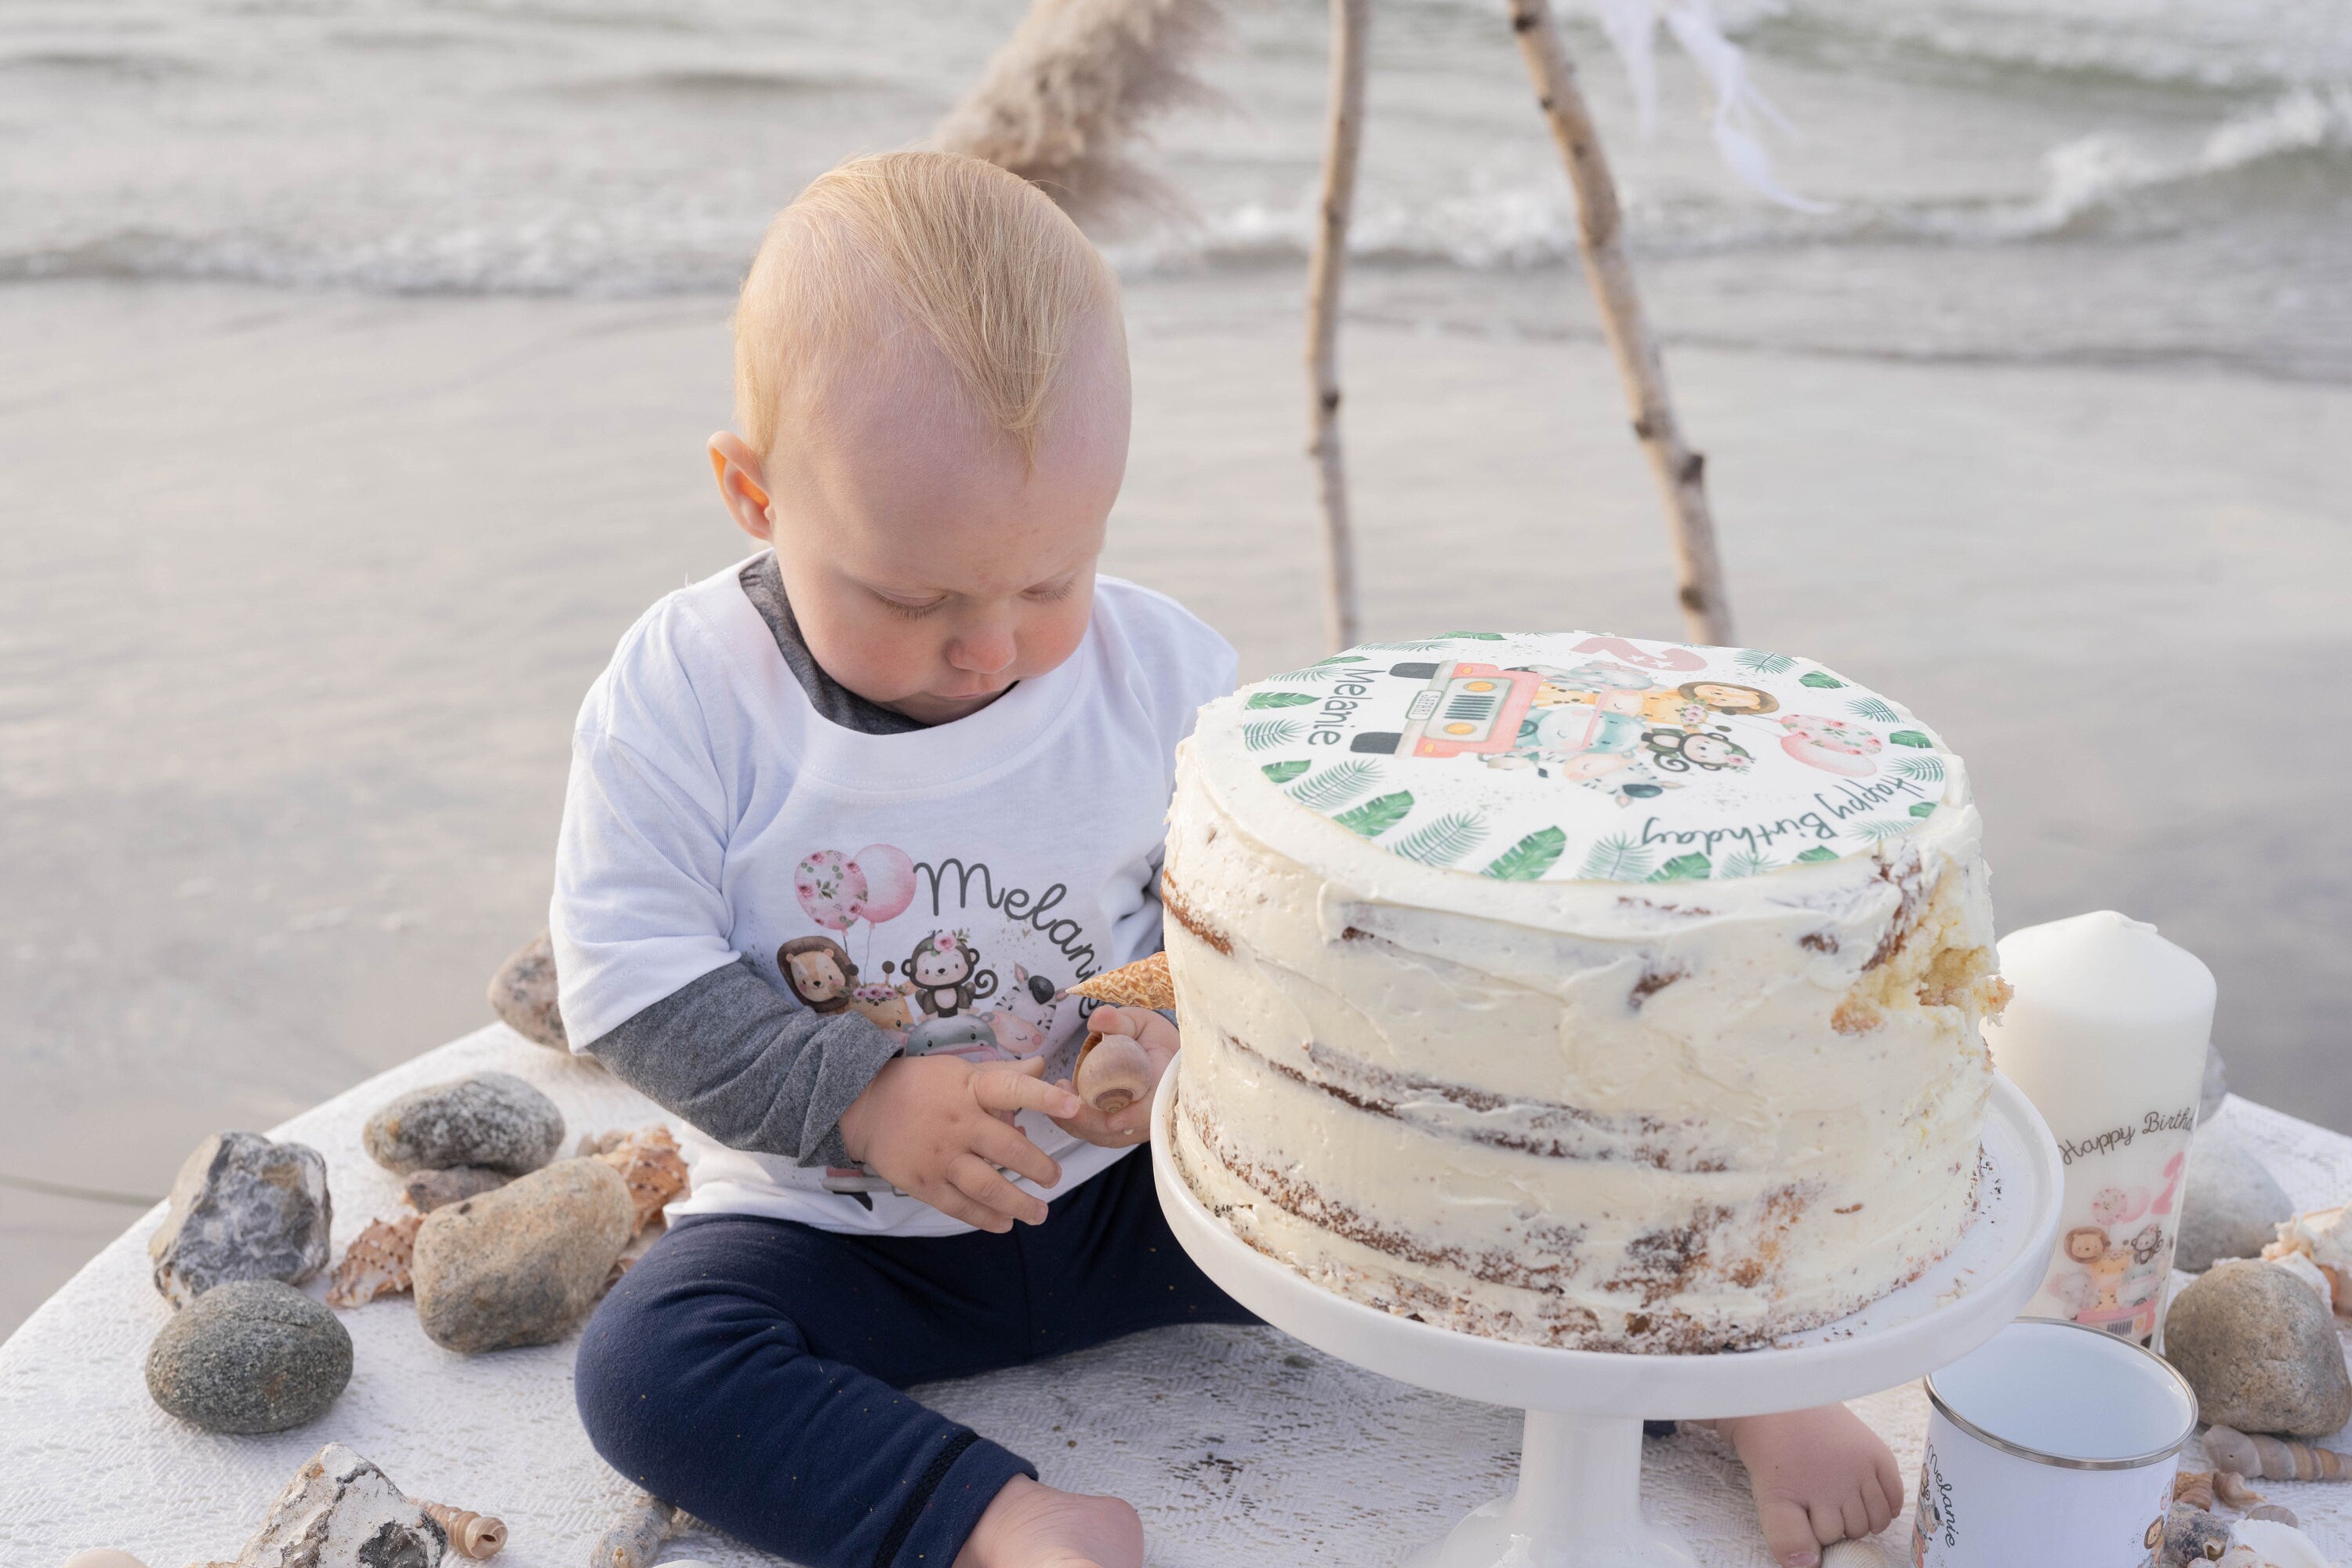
(819, 970)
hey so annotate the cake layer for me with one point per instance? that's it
(1680, 1114)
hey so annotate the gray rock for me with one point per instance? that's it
(2260, 1352)
(493, 1120)
(341, 1512)
(2193, 1536)
(430, 1190)
(522, 994)
(2216, 1086)
(2230, 1206)
(523, 1265)
(251, 1355)
(242, 1207)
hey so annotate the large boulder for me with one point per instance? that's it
(242, 1207)
(2230, 1206)
(2260, 1352)
(341, 1512)
(492, 1119)
(252, 1356)
(523, 1265)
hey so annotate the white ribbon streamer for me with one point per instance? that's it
(1741, 110)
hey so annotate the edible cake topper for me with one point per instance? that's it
(1559, 756)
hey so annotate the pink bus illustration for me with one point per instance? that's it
(1465, 709)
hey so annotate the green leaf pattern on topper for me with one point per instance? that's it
(1616, 859)
(1335, 786)
(1265, 734)
(1530, 858)
(1593, 757)
(1444, 841)
(1377, 814)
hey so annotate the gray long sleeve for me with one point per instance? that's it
(747, 1067)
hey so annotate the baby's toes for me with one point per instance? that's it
(1788, 1532)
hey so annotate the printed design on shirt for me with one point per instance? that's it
(971, 970)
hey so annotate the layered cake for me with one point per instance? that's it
(1580, 990)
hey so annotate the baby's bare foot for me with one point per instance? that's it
(1818, 1476)
(1034, 1526)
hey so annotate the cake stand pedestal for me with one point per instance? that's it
(1578, 1503)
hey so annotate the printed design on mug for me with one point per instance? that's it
(1933, 1521)
(950, 960)
(2113, 1261)
(1556, 757)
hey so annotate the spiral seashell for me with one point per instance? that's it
(1114, 1071)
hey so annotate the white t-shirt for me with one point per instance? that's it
(970, 871)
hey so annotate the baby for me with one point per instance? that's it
(844, 822)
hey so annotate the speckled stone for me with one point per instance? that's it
(492, 1119)
(251, 1355)
(2230, 1206)
(430, 1190)
(523, 1265)
(522, 994)
(242, 1207)
(2260, 1352)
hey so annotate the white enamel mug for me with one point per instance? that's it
(2051, 1443)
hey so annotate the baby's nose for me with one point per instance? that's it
(982, 652)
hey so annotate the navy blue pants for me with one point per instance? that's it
(747, 1369)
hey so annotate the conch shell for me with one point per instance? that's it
(1113, 1071)
(377, 1263)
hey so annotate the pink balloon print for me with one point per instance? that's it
(886, 880)
(830, 887)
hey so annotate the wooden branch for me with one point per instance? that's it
(1681, 472)
(1326, 266)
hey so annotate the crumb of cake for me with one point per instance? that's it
(1850, 1209)
(1652, 981)
(1855, 1017)
(1819, 941)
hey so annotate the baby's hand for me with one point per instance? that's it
(937, 1127)
(1160, 1041)
(1818, 1476)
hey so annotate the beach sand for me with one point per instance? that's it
(300, 592)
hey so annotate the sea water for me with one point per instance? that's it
(2112, 181)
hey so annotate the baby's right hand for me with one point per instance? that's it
(937, 1127)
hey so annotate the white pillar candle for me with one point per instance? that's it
(2107, 1036)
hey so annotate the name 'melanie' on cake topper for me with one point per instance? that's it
(1568, 755)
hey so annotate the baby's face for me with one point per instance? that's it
(928, 566)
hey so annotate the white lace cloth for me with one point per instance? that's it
(1241, 1447)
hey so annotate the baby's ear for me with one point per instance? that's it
(742, 485)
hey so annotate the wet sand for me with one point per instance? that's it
(298, 593)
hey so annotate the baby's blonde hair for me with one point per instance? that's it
(978, 259)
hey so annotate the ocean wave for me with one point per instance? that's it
(2092, 184)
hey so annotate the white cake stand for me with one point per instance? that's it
(1577, 1504)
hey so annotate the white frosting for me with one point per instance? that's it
(1685, 1114)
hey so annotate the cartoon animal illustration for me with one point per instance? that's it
(964, 1036)
(885, 1005)
(2113, 1293)
(1678, 751)
(1024, 1017)
(1829, 744)
(820, 972)
(2146, 1243)
(945, 972)
(1015, 1036)
(1723, 697)
(1463, 709)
